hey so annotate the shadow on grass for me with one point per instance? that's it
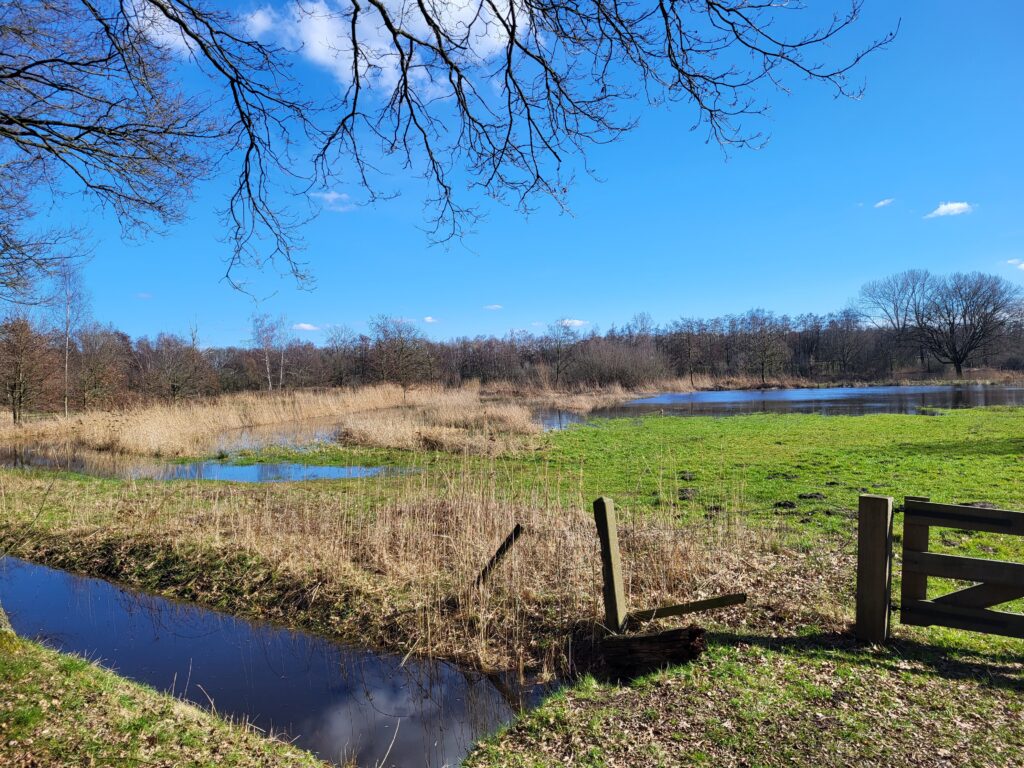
(1006, 446)
(996, 669)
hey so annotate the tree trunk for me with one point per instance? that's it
(959, 366)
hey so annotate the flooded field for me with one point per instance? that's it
(829, 401)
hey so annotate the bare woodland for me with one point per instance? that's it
(913, 324)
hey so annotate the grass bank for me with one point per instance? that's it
(757, 503)
(58, 710)
(810, 699)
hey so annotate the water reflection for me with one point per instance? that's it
(340, 703)
(103, 464)
(829, 401)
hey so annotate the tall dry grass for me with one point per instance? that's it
(392, 563)
(383, 415)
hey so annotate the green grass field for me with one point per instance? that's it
(781, 684)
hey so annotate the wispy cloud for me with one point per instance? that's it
(1018, 263)
(305, 327)
(570, 322)
(144, 295)
(493, 307)
(339, 202)
(429, 319)
(950, 209)
(885, 202)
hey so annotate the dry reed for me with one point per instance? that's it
(384, 415)
(391, 563)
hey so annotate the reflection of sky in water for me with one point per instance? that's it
(263, 473)
(830, 401)
(335, 701)
(129, 467)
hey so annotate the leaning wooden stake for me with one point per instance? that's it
(498, 556)
(874, 568)
(611, 565)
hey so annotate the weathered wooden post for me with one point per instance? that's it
(874, 568)
(611, 565)
(913, 586)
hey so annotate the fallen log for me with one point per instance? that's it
(637, 654)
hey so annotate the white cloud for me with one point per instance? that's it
(158, 28)
(885, 202)
(429, 319)
(305, 327)
(340, 202)
(493, 307)
(569, 322)
(144, 295)
(261, 21)
(320, 31)
(1018, 263)
(950, 209)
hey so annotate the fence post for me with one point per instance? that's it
(874, 568)
(611, 566)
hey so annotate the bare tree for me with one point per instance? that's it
(400, 353)
(499, 95)
(765, 341)
(70, 307)
(341, 347)
(268, 336)
(27, 365)
(964, 314)
(103, 376)
(559, 348)
(894, 303)
(92, 99)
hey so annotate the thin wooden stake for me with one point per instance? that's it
(874, 568)
(498, 556)
(611, 565)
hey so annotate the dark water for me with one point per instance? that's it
(830, 401)
(101, 464)
(335, 701)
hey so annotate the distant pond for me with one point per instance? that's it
(340, 703)
(829, 401)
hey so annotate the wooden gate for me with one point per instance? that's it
(970, 608)
(967, 608)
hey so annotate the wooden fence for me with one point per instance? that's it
(970, 608)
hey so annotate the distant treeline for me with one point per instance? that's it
(908, 323)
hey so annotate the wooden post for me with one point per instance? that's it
(506, 545)
(874, 568)
(611, 566)
(913, 586)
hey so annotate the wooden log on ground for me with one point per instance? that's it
(722, 601)
(636, 654)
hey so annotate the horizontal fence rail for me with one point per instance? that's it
(969, 608)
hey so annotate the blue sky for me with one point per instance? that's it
(674, 228)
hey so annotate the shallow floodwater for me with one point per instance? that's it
(340, 703)
(101, 464)
(830, 401)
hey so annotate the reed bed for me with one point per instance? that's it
(392, 563)
(383, 415)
